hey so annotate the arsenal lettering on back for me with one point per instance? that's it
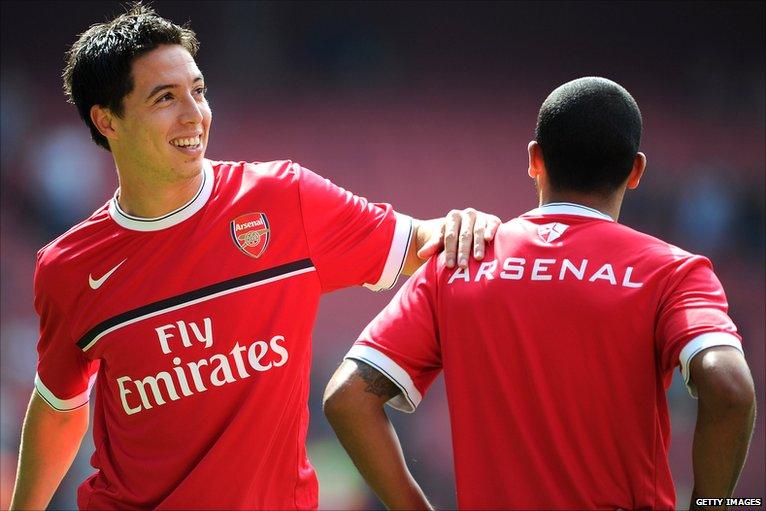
(516, 268)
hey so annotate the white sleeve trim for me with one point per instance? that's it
(410, 397)
(63, 405)
(703, 342)
(397, 254)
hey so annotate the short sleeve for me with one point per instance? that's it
(402, 342)
(351, 240)
(693, 316)
(64, 375)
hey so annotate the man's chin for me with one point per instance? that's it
(192, 162)
(195, 160)
(187, 168)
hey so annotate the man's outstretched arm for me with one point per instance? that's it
(461, 233)
(353, 403)
(49, 443)
(725, 417)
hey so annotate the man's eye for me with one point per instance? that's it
(165, 97)
(201, 91)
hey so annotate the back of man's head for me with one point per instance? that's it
(589, 131)
(98, 67)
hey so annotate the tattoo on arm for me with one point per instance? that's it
(377, 382)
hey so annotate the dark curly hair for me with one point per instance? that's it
(589, 131)
(98, 65)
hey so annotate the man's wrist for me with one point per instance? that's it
(424, 230)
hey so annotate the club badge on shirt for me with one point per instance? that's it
(550, 232)
(251, 233)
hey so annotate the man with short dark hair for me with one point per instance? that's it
(558, 348)
(189, 298)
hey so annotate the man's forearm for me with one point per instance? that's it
(373, 446)
(49, 443)
(725, 418)
(721, 440)
(353, 406)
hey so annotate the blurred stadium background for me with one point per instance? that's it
(428, 106)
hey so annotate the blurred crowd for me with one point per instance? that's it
(384, 102)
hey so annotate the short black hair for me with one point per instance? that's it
(98, 65)
(589, 131)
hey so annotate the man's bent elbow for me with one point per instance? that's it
(733, 396)
(331, 404)
(724, 381)
(337, 401)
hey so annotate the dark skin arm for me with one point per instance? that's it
(353, 404)
(725, 418)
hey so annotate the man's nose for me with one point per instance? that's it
(191, 112)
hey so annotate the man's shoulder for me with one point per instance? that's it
(595, 240)
(59, 262)
(280, 170)
(651, 246)
(603, 233)
(81, 236)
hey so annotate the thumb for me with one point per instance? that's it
(431, 247)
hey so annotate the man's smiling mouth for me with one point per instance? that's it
(191, 143)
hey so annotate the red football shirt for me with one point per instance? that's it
(557, 352)
(196, 328)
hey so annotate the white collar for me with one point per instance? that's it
(170, 219)
(568, 208)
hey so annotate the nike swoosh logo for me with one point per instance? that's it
(96, 283)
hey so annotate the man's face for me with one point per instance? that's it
(166, 119)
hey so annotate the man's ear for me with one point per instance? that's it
(536, 162)
(103, 119)
(639, 165)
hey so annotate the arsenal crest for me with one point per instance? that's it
(550, 232)
(250, 233)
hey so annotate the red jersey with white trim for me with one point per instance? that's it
(557, 352)
(196, 328)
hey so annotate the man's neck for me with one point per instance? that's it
(609, 205)
(152, 198)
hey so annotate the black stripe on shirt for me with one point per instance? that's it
(192, 295)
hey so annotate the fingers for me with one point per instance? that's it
(484, 231)
(466, 236)
(465, 231)
(479, 229)
(451, 229)
(493, 223)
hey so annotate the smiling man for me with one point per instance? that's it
(160, 146)
(189, 298)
